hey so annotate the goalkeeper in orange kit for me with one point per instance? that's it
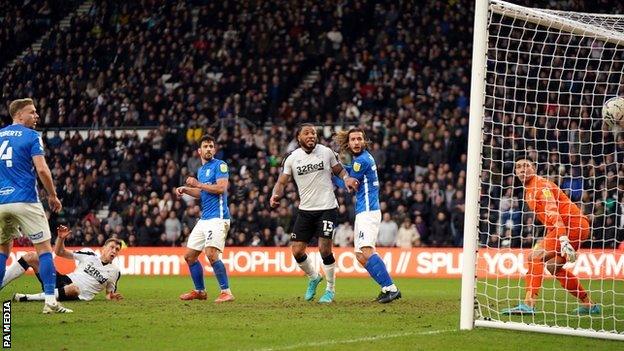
(566, 229)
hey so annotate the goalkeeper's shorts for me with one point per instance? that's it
(577, 232)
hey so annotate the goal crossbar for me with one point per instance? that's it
(551, 20)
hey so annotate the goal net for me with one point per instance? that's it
(540, 78)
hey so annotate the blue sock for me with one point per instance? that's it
(197, 273)
(377, 270)
(47, 272)
(219, 270)
(3, 259)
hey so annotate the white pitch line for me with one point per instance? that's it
(350, 341)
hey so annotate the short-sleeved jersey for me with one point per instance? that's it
(213, 205)
(551, 205)
(18, 178)
(364, 170)
(312, 173)
(92, 276)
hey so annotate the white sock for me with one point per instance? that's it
(14, 271)
(42, 297)
(227, 291)
(308, 268)
(330, 275)
(35, 297)
(51, 299)
(391, 288)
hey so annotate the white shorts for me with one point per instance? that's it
(366, 229)
(27, 218)
(209, 233)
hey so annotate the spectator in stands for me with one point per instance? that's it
(407, 235)
(440, 230)
(148, 234)
(114, 219)
(281, 237)
(458, 211)
(344, 234)
(173, 227)
(530, 232)
(387, 231)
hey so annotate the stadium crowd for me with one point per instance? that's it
(400, 70)
(22, 22)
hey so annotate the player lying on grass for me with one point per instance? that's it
(92, 275)
(566, 228)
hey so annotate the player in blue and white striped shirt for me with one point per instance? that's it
(367, 212)
(210, 232)
(21, 161)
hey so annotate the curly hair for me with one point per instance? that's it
(341, 138)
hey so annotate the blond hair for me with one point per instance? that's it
(341, 138)
(17, 105)
(113, 240)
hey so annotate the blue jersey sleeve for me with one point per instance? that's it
(36, 145)
(359, 168)
(339, 183)
(222, 171)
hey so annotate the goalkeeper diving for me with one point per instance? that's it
(566, 229)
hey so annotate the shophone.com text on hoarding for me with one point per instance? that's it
(414, 263)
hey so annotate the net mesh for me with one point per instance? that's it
(548, 74)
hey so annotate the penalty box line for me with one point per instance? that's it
(350, 341)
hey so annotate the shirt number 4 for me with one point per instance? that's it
(6, 153)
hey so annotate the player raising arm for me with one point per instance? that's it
(21, 161)
(92, 275)
(566, 229)
(210, 232)
(367, 211)
(311, 166)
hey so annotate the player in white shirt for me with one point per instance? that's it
(312, 166)
(92, 275)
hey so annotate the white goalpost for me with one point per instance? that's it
(539, 80)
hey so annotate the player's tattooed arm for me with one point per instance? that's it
(278, 189)
(351, 183)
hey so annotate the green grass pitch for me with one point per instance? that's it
(269, 314)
